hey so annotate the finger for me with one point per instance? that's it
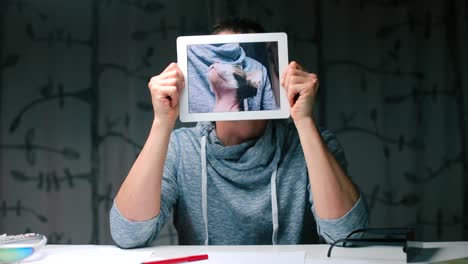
(179, 71)
(284, 75)
(175, 99)
(169, 93)
(296, 65)
(315, 82)
(169, 74)
(307, 90)
(291, 78)
(293, 69)
(291, 93)
(170, 67)
(297, 79)
(309, 81)
(181, 82)
(168, 82)
(299, 73)
(180, 75)
(174, 73)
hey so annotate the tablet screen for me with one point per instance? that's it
(233, 79)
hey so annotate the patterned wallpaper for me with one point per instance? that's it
(75, 109)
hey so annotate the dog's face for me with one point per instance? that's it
(224, 78)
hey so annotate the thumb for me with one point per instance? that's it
(175, 99)
(296, 65)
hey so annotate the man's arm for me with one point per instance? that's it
(139, 198)
(129, 233)
(333, 193)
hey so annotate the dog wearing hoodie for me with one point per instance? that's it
(231, 85)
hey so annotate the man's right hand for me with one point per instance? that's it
(165, 89)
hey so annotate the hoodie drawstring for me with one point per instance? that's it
(274, 200)
(204, 186)
(274, 208)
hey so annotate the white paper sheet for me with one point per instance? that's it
(348, 261)
(81, 254)
(257, 257)
(219, 257)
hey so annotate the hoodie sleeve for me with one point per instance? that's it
(356, 218)
(132, 234)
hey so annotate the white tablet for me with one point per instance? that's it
(233, 77)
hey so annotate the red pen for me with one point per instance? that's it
(178, 260)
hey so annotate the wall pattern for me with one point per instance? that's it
(75, 110)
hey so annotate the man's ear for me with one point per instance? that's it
(254, 78)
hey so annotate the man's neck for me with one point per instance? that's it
(236, 132)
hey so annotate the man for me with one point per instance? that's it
(238, 182)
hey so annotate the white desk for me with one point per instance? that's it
(70, 254)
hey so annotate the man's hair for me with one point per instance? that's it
(237, 25)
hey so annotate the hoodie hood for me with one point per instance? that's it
(250, 165)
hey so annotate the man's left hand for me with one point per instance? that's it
(301, 88)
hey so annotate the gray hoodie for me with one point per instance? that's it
(257, 192)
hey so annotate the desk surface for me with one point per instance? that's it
(437, 251)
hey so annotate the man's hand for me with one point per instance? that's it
(165, 89)
(301, 88)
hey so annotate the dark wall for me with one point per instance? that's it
(75, 109)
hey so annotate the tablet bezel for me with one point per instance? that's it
(184, 41)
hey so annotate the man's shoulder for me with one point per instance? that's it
(326, 134)
(188, 132)
(329, 137)
(182, 139)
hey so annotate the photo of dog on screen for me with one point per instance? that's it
(232, 77)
